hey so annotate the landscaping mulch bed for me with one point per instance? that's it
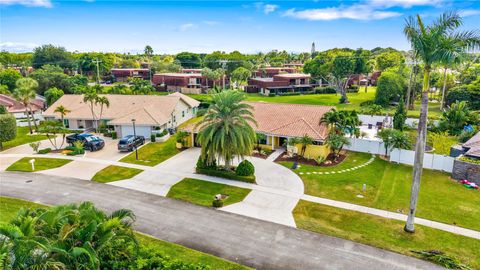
(258, 155)
(302, 160)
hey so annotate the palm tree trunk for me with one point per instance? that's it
(409, 89)
(444, 87)
(419, 153)
(411, 106)
(28, 119)
(33, 118)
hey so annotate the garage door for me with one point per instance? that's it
(139, 130)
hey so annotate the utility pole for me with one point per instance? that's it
(98, 69)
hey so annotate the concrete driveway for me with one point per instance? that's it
(109, 152)
(255, 243)
(80, 169)
(5, 162)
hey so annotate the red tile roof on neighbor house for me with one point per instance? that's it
(474, 145)
(13, 106)
(287, 120)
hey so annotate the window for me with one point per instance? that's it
(174, 119)
(183, 114)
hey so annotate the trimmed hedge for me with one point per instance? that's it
(226, 174)
(245, 168)
(45, 151)
(325, 90)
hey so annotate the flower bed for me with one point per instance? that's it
(329, 161)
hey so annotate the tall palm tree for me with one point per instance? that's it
(24, 93)
(226, 131)
(432, 44)
(103, 101)
(91, 97)
(63, 112)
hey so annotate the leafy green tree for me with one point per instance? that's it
(225, 130)
(53, 94)
(390, 87)
(400, 116)
(374, 109)
(8, 77)
(90, 97)
(24, 93)
(8, 128)
(3, 109)
(336, 142)
(63, 112)
(260, 137)
(389, 59)
(4, 89)
(148, 51)
(52, 129)
(241, 75)
(189, 60)
(456, 116)
(469, 93)
(432, 44)
(393, 138)
(305, 141)
(52, 55)
(141, 87)
(104, 102)
(53, 76)
(342, 68)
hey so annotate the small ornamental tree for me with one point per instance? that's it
(393, 138)
(51, 129)
(336, 142)
(8, 128)
(245, 168)
(400, 116)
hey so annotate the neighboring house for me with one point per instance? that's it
(191, 70)
(466, 169)
(123, 74)
(297, 66)
(357, 79)
(187, 83)
(280, 83)
(373, 79)
(470, 149)
(150, 112)
(269, 72)
(16, 108)
(280, 121)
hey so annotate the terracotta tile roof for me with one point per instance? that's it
(287, 120)
(147, 110)
(14, 106)
(474, 146)
(474, 151)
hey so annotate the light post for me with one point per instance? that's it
(135, 137)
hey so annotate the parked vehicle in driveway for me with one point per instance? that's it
(90, 141)
(128, 143)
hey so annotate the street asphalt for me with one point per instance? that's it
(255, 243)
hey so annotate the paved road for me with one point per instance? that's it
(248, 241)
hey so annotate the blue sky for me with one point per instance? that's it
(206, 26)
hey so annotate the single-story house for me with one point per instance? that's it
(470, 148)
(16, 108)
(280, 83)
(281, 121)
(150, 112)
(123, 74)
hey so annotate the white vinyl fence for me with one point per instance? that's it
(368, 119)
(366, 146)
(430, 161)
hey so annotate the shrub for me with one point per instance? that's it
(114, 135)
(271, 94)
(367, 103)
(219, 172)
(201, 112)
(353, 89)
(325, 90)
(245, 168)
(389, 88)
(466, 135)
(152, 137)
(163, 133)
(217, 203)
(181, 136)
(34, 146)
(8, 128)
(45, 151)
(342, 100)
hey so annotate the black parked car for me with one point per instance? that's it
(90, 141)
(128, 143)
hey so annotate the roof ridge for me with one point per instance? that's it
(316, 132)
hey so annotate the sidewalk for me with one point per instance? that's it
(289, 195)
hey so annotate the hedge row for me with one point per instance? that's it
(226, 174)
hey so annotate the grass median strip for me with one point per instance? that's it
(10, 206)
(115, 173)
(152, 154)
(384, 233)
(23, 165)
(202, 192)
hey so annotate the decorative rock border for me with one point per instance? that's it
(345, 170)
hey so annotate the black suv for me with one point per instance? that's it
(128, 143)
(90, 142)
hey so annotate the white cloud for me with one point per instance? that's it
(17, 46)
(469, 12)
(187, 26)
(354, 12)
(404, 3)
(28, 3)
(269, 8)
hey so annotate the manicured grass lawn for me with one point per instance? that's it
(388, 187)
(202, 192)
(384, 233)
(152, 154)
(23, 137)
(333, 100)
(23, 165)
(10, 206)
(115, 173)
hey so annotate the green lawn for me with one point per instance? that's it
(23, 165)
(383, 233)
(333, 100)
(203, 192)
(10, 206)
(388, 187)
(115, 173)
(152, 154)
(23, 137)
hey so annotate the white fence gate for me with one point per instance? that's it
(430, 161)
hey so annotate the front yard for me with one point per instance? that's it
(388, 187)
(115, 173)
(23, 165)
(154, 153)
(384, 233)
(10, 206)
(202, 192)
(23, 137)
